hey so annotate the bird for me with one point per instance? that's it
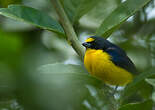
(108, 62)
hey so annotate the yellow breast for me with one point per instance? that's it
(98, 63)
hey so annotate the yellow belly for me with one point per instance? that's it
(98, 63)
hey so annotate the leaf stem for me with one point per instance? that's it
(68, 28)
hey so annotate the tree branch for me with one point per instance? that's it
(68, 28)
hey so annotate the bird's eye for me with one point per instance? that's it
(87, 44)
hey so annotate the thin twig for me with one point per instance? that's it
(72, 37)
(68, 28)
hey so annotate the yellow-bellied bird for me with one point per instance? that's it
(108, 62)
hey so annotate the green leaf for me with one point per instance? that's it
(61, 68)
(151, 81)
(146, 105)
(62, 87)
(96, 16)
(119, 15)
(136, 85)
(32, 16)
(145, 91)
(77, 8)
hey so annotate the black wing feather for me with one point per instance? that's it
(120, 59)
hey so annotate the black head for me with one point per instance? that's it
(97, 43)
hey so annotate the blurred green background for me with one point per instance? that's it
(25, 48)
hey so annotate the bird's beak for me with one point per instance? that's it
(87, 45)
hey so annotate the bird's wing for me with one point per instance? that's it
(121, 59)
